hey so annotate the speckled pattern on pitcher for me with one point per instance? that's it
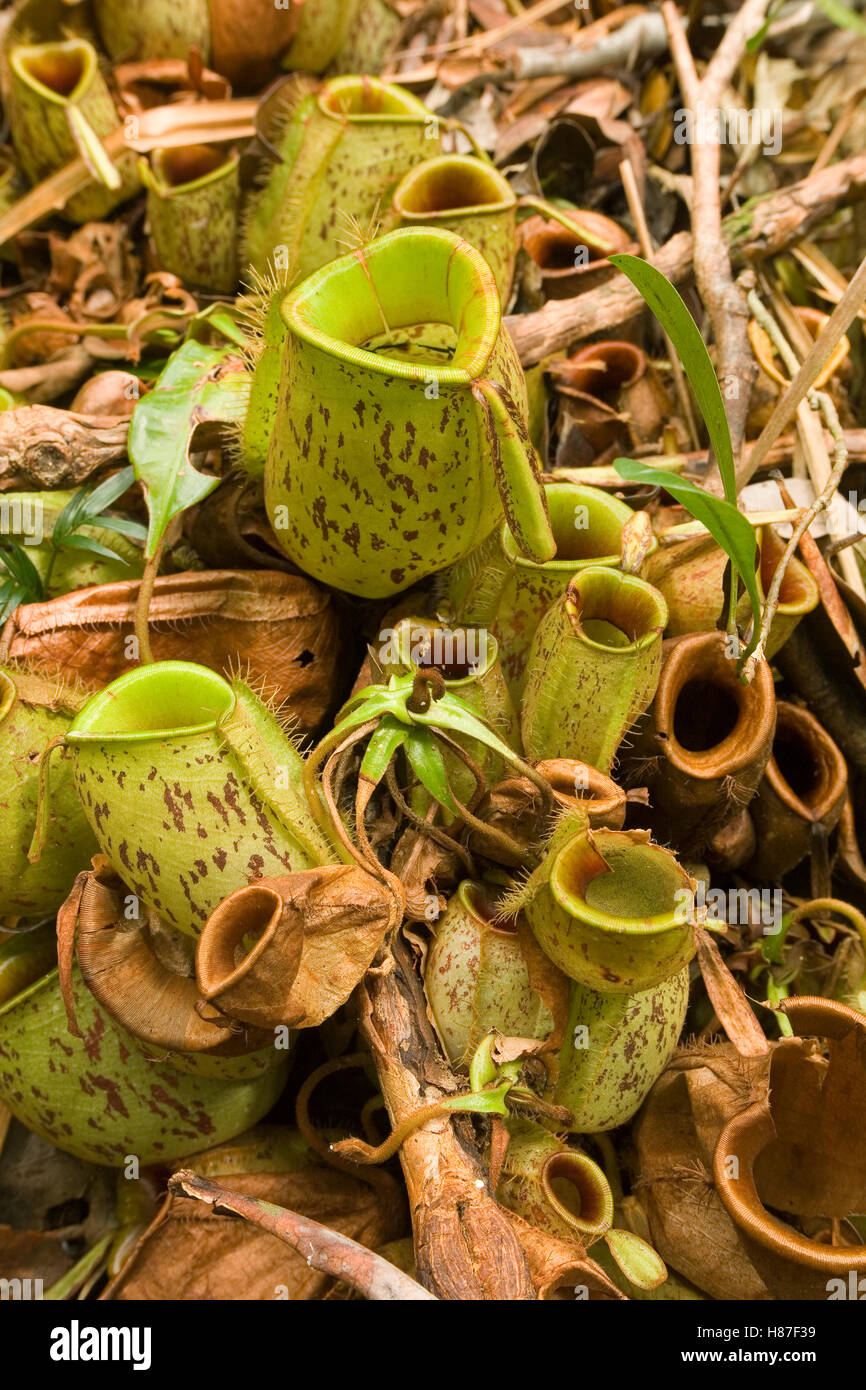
(377, 480)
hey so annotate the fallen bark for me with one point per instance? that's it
(41, 447)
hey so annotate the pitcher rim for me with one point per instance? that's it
(504, 204)
(293, 305)
(347, 80)
(83, 736)
(89, 69)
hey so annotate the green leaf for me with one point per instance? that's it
(383, 702)
(92, 547)
(108, 491)
(757, 39)
(482, 1068)
(222, 318)
(675, 319)
(724, 522)
(381, 748)
(22, 584)
(426, 760)
(842, 15)
(133, 529)
(481, 1102)
(454, 714)
(639, 1262)
(199, 384)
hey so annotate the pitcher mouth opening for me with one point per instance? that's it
(363, 99)
(168, 699)
(595, 543)
(412, 276)
(578, 1191)
(236, 935)
(483, 904)
(618, 884)
(614, 612)
(805, 769)
(452, 185)
(189, 166)
(712, 725)
(578, 784)
(459, 654)
(60, 72)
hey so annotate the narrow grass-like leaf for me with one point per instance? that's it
(93, 548)
(22, 583)
(724, 522)
(842, 15)
(675, 319)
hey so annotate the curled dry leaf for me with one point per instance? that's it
(317, 932)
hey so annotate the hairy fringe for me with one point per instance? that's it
(70, 692)
(266, 692)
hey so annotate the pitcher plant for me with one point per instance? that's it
(213, 784)
(99, 1097)
(342, 149)
(58, 106)
(193, 194)
(593, 667)
(33, 714)
(438, 451)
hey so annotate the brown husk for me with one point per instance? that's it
(279, 629)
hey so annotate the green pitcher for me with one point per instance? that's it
(343, 35)
(34, 712)
(477, 978)
(153, 28)
(466, 196)
(616, 1047)
(59, 106)
(192, 207)
(191, 788)
(342, 149)
(612, 910)
(593, 667)
(100, 1098)
(386, 465)
(498, 587)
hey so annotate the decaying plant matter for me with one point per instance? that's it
(433, 650)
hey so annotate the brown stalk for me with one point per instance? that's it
(465, 1245)
(325, 1249)
(723, 300)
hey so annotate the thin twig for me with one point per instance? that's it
(723, 300)
(324, 1249)
(818, 400)
(786, 407)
